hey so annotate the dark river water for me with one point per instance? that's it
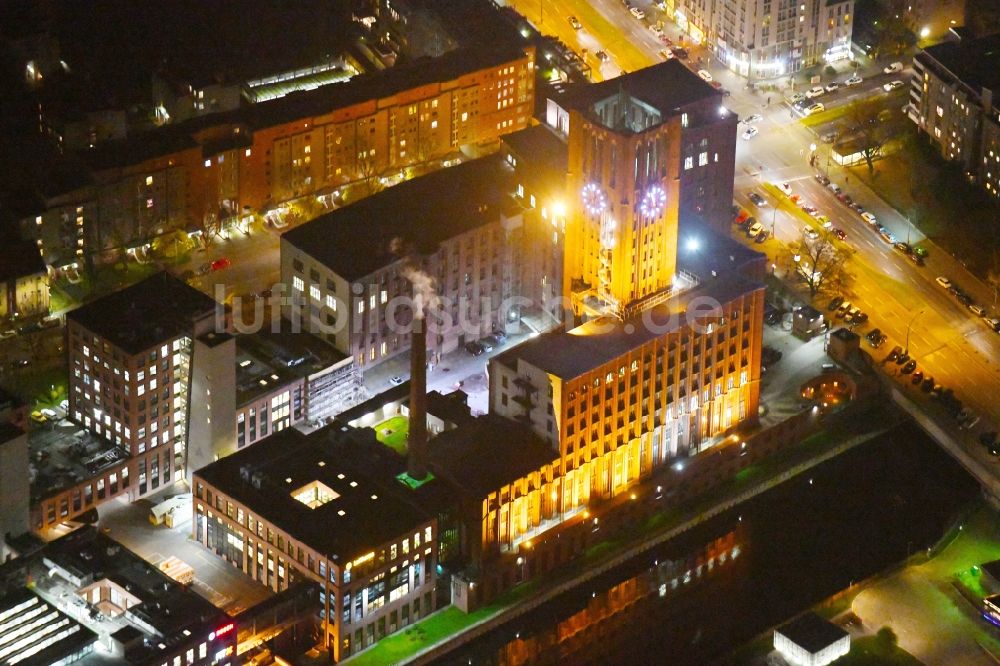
(695, 599)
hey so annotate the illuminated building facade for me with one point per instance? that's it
(953, 100)
(211, 172)
(24, 281)
(767, 39)
(131, 360)
(324, 508)
(651, 136)
(345, 269)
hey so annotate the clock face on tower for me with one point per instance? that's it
(653, 202)
(594, 201)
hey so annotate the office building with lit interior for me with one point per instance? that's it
(767, 39)
(84, 598)
(326, 508)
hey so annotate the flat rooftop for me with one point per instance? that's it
(541, 146)
(24, 611)
(160, 610)
(268, 359)
(974, 62)
(357, 240)
(569, 354)
(482, 456)
(65, 454)
(667, 87)
(365, 505)
(149, 312)
(811, 632)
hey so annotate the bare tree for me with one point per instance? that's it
(871, 133)
(369, 174)
(820, 263)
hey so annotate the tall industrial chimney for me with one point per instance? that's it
(416, 461)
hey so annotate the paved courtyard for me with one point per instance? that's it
(220, 583)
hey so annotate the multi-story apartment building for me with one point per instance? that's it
(766, 39)
(324, 508)
(14, 485)
(954, 102)
(130, 359)
(637, 144)
(459, 227)
(196, 175)
(24, 280)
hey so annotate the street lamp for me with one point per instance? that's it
(906, 346)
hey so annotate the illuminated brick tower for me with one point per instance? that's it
(621, 233)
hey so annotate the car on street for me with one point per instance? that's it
(757, 199)
(755, 229)
(49, 413)
(892, 85)
(833, 187)
(705, 75)
(38, 417)
(943, 281)
(761, 237)
(750, 120)
(602, 56)
(851, 314)
(810, 233)
(909, 367)
(824, 221)
(843, 309)
(853, 81)
(796, 97)
(221, 263)
(970, 422)
(835, 303)
(741, 217)
(878, 340)
(892, 68)
(886, 235)
(977, 310)
(920, 252)
(894, 354)
(831, 87)
(496, 339)
(815, 108)
(902, 359)
(638, 13)
(901, 247)
(916, 259)
(785, 188)
(7, 334)
(20, 363)
(993, 323)
(575, 22)
(917, 378)
(828, 137)
(749, 133)
(869, 218)
(475, 348)
(487, 345)
(815, 92)
(857, 208)
(861, 318)
(679, 52)
(927, 384)
(665, 54)
(823, 180)
(396, 380)
(806, 208)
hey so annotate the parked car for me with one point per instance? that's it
(892, 68)
(796, 98)
(869, 218)
(894, 354)
(853, 81)
(741, 217)
(810, 233)
(38, 417)
(828, 137)
(785, 188)
(843, 309)
(977, 310)
(486, 344)
(920, 252)
(815, 92)
(396, 380)
(832, 86)
(705, 75)
(823, 180)
(886, 235)
(221, 263)
(750, 120)
(749, 133)
(475, 348)
(638, 13)
(861, 318)
(917, 378)
(892, 85)
(757, 199)
(575, 22)
(815, 108)
(755, 229)
(909, 367)
(761, 237)
(839, 233)
(835, 303)
(679, 52)
(902, 358)
(927, 384)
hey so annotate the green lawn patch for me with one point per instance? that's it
(393, 433)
